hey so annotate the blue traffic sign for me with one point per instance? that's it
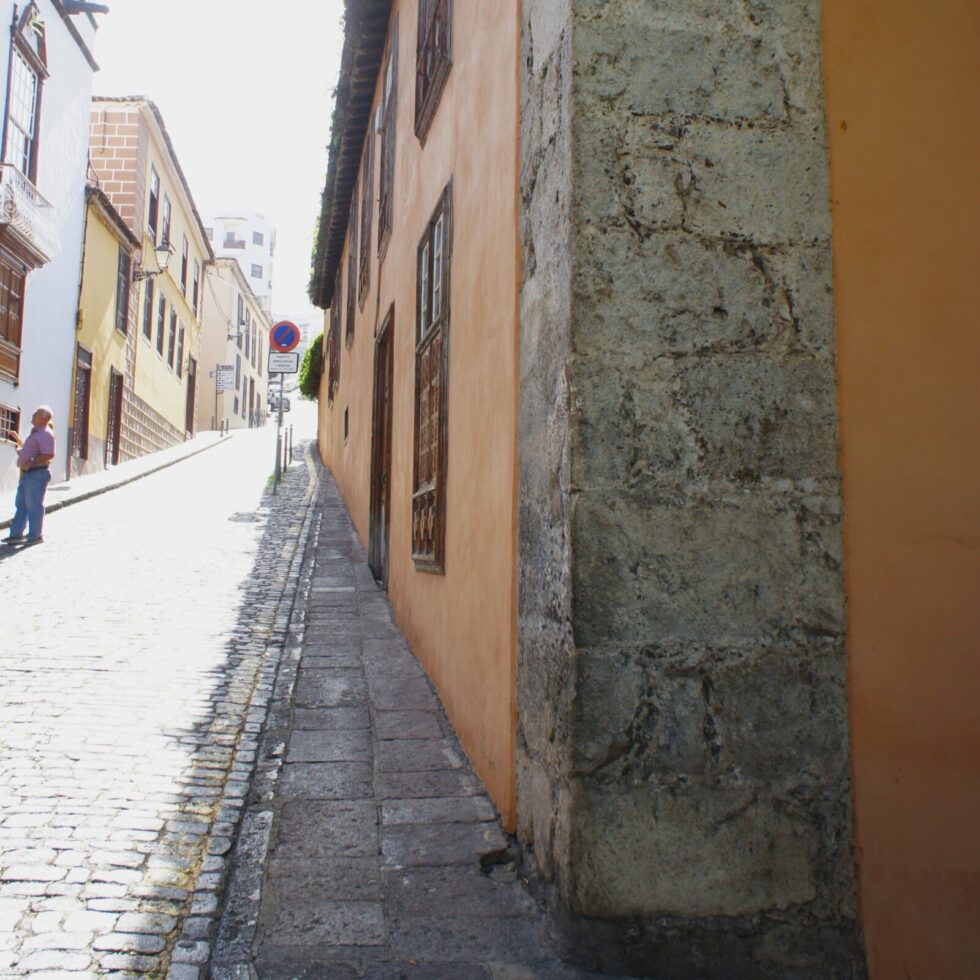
(284, 336)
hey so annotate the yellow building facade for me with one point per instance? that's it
(138, 172)
(104, 336)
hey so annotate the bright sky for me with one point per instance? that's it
(245, 89)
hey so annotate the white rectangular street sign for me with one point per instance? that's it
(226, 377)
(283, 363)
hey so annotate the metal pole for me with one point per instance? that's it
(279, 436)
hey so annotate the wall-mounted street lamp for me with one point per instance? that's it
(162, 253)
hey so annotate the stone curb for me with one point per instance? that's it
(81, 495)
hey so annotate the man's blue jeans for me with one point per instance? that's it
(29, 502)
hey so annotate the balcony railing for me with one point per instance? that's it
(29, 216)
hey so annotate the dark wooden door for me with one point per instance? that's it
(191, 392)
(114, 426)
(384, 366)
(83, 394)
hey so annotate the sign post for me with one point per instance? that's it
(283, 339)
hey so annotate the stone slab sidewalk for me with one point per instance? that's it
(369, 848)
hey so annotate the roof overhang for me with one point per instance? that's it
(365, 33)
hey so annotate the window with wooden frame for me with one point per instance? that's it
(351, 269)
(180, 351)
(167, 214)
(432, 389)
(196, 289)
(172, 339)
(389, 115)
(83, 398)
(433, 59)
(161, 323)
(333, 341)
(27, 72)
(367, 214)
(148, 309)
(153, 212)
(123, 275)
(9, 419)
(12, 281)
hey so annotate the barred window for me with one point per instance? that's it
(389, 105)
(433, 59)
(432, 390)
(351, 269)
(367, 214)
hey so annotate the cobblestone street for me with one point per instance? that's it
(134, 668)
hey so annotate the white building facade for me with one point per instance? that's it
(47, 54)
(234, 337)
(249, 238)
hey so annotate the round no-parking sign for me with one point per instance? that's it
(284, 336)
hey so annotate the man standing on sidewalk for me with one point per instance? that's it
(34, 463)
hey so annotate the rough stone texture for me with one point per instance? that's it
(682, 744)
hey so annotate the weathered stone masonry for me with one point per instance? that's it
(683, 754)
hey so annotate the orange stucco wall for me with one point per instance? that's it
(461, 624)
(903, 103)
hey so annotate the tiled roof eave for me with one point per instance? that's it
(365, 33)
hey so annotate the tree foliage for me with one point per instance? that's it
(311, 369)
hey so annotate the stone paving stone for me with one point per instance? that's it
(437, 810)
(307, 829)
(328, 879)
(456, 890)
(406, 724)
(324, 689)
(329, 746)
(413, 845)
(418, 755)
(326, 781)
(413, 785)
(338, 923)
(331, 719)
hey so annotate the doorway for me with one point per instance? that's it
(191, 391)
(380, 519)
(114, 422)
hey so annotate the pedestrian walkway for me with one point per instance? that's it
(74, 491)
(369, 848)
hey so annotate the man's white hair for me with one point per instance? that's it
(46, 409)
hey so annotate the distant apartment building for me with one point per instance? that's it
(47, 62)
(234, 343)
(250, 238)
(159, 290)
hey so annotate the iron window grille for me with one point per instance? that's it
(433, 59)
(9, 419)
(432, 389)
